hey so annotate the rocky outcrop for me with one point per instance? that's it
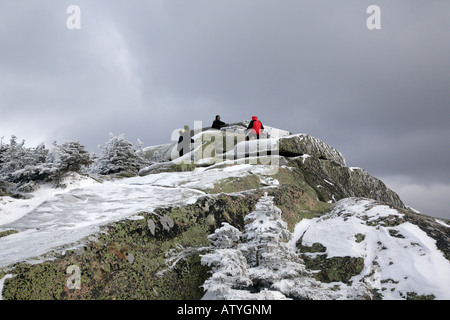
(159, 153)
(320, 166)
(170, 166)
(158, 254)
(135, 259)
(333, 182)
(209, 142)
(304, 144)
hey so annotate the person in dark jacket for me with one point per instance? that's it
(256, 128)
(217, 124)
(184, 141)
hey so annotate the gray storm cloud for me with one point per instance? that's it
(143, 69)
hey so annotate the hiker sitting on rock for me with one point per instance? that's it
(217, 124)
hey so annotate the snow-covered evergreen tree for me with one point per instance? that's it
(225, 237)
(12, 157)
(263, 265)
(229, 273)
(228, 266)
(19, 164)
(71, 156)
(117, 156)
(265, 232)
(266, 246)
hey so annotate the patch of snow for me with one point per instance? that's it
(410, 262)
(56, 218)
(269, 181)
(2, 283)
(442, 223)
(252, 147)
(12, 209)
(305, 156)
(413, 210)
(135, 218)
(300, 135)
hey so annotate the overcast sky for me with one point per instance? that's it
(381, 97)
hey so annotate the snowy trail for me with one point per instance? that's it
(55, 218)
(68, 217)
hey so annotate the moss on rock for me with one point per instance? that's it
(230, 185)
(7, 233)
(335, 269)
(359, 237)
(107, 270)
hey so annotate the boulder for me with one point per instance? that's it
(159, 153)
(302, 144)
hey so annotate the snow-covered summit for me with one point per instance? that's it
(281, 217)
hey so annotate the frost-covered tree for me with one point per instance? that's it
(225, 237)
(19, 164)
(266, 246)
(265, 232)
(71, 156)
(12, 157)
(24, 167)
(3, 149)
(118, 156)
(228, 266)
(262, 264)
(40, 154)
(229, 273)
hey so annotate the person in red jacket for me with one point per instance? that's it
(256, 128)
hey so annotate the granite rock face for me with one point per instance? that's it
(304, 144)
(333, 182)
